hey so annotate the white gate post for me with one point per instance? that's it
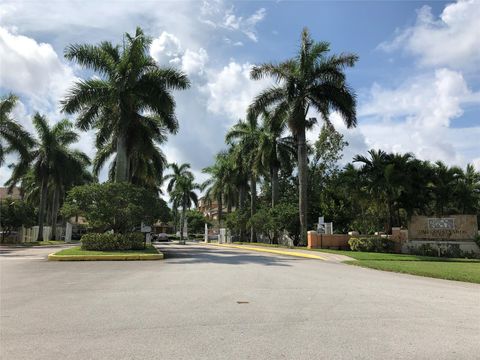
(68, 232)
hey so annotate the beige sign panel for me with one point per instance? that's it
(452, 227)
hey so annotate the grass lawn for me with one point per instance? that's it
(78, 251)
(443, 268)
(42, 243)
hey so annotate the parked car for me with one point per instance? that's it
(160, 237)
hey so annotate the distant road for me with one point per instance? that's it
(206, 302)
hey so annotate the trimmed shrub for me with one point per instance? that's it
(371, 244)
(111, 242)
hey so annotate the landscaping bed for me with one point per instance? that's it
(78, 254)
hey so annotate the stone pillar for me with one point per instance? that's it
(148, 238)
(313, 239)
(206, 233)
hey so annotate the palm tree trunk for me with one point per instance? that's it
(121, 165)
(219, 210)
(302, 183)
(182, 222)
(55, 205)
(253, 205)
(42, 207)
(274, 180)
(241, 207)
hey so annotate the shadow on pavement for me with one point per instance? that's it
(188, 254)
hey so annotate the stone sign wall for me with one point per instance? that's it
(449, 228)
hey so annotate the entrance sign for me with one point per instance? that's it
(451, 228)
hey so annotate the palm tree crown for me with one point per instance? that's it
(132, 99)
(311, 80)
(12, 135)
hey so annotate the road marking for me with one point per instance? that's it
(273, 251)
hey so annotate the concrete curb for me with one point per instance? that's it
(53, 257)
(272, 251)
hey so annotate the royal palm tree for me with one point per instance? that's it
(12, 135)
(181, 188)
(132, 91)
(245, 135)
(216, 186)
(315, 80)
(51, 160)
(274, 151)
(147, 161)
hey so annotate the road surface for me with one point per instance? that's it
(205, 302)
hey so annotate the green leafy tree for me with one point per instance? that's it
(13, 214)
(196, 221)
(129, 105)
(315, 80)
(120, 207)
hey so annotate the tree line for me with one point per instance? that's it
(269, 179)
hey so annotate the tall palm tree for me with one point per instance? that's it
(312, 79)
(147, 160)
(132, 91)
(12, 135)
(245, 135)
(181, 188)
(273, 150)
(216, 187)
(52, 161)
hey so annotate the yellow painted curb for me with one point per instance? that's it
(53, 257)
(273, 251)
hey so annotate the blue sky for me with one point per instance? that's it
(417, 80)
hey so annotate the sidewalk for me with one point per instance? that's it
(288, 252)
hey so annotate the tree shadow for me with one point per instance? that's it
(188, 254)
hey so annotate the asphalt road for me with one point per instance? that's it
(205, 302)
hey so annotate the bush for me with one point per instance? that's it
(371, 244)
(109, 242)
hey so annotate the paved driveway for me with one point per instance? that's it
(206, 302)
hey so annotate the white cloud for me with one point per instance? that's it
(231, 90)
(33, 69)
(193, 62)
(167, 49)
(426, 101)
(451, 40)
(216, 15)
(417, 117)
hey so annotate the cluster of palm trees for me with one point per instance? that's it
(313, 80)
(181, 188)
(128, 104)
(130, 107)
(395, 186)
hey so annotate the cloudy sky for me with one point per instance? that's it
(417, 81)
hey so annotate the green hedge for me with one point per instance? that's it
(109, 242)
(371, 244)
